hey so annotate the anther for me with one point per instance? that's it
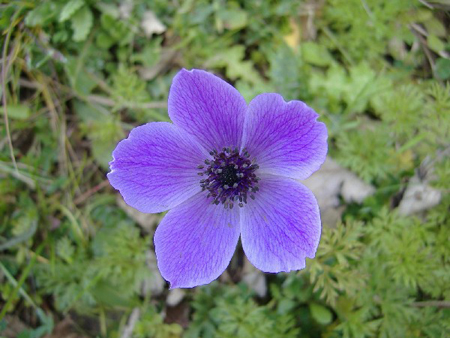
(230, 177)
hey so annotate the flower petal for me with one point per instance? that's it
(155, 168)
(195, 241)
(281, 227)
(284, 137)
(208, 108)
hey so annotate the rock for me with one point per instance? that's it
(146, 221)
(175, 297)
(332, 181)
(155, 283)
(418, 196)
(151, 24)
(255, 279)
(126, 9)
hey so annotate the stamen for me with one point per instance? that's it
(230, 177)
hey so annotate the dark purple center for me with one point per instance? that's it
(230, 177)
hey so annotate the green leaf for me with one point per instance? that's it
(237, 68)
(233, 18)
(285, 306)
(443, 68)
(41, 15)
(17, 111)
(249, 91)
(316, 54)
(65, 249)
(284, 72)
(321, 313)
(82, 24)
(47, 323)
(79, 79)
(69, 9)
(5, 19)
(109, 295)
(117, 29)
(435, 27)
(111, 9)
(30, 221)
(435, 44)
(104, 139)
(104, 40)
(3, 325)
(102, 129)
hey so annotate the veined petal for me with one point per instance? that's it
(195, 241)
(281, 227)
(155, 168)
(208, 108)
(284, 137)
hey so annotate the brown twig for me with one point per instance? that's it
(434, 303)
(80, 199)
(103, 100)
(5, 66)
(419, 32)
(134, 317)
(111, 103)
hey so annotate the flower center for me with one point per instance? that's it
(230, 177)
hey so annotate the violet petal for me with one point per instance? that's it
(195, 241)
(208, 108)
(284, 137)
(281, 227)
(155, 168)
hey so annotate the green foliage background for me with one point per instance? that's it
(77, 75)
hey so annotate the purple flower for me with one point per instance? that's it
(224, 169)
